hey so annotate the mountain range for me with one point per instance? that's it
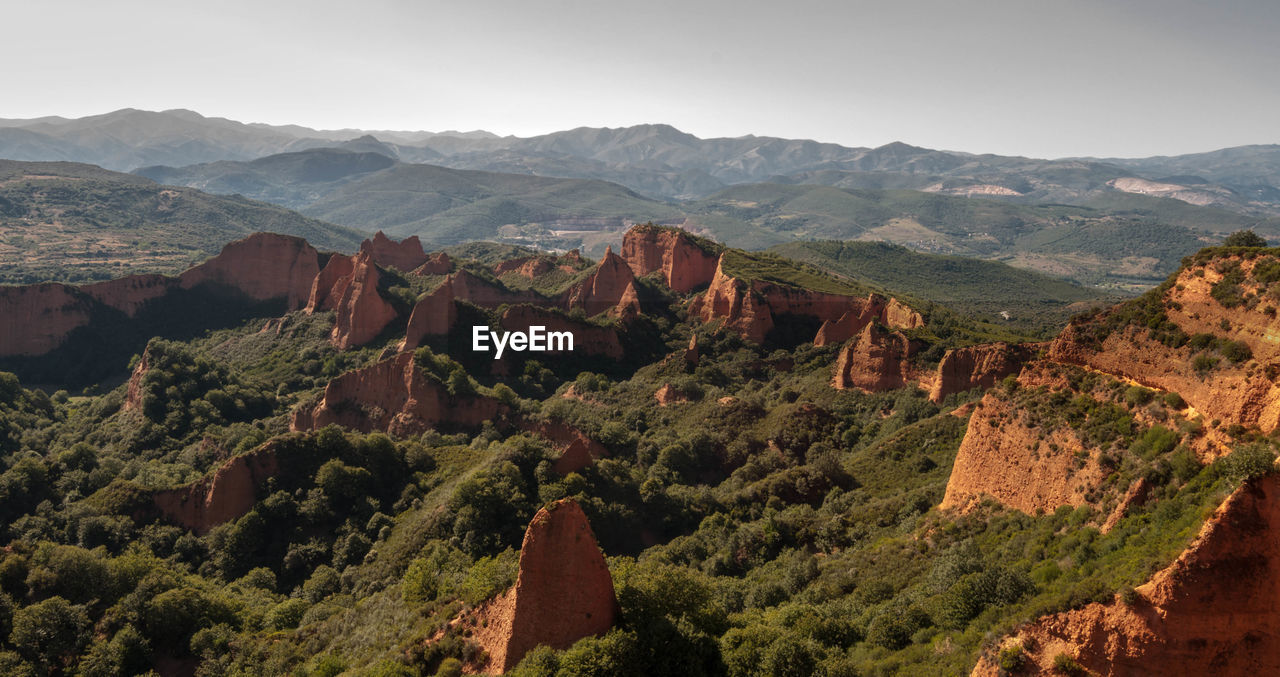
(1122, 224)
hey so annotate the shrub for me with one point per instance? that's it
(1244, 238)
(1067, 665)
(1203, 363)
(1012, 658)
(1249, 461)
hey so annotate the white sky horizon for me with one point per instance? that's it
(1011, 77)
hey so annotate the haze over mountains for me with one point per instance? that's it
(1118, 223)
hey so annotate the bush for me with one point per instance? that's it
(1249, 461)
(1012, 658)
(1244, 238)
(1067, 665)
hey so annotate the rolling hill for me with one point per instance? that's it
(72, 222)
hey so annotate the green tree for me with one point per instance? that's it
(50, 631)
(1244, 238)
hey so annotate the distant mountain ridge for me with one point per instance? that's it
(658, 160)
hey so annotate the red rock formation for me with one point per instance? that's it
(1137, 494)
(228, 494)
(467, 287)
(668, 394)
(1006, 457)
(329, 285)
(901, 316)
(133, 396)
(362, 313)
(875, 361)
(38, 317)
(130, 294)
(604, 289)
(979, 366)
(1247, 394)
(562, 593)
(1211, 612)
(577, 451)
(526, 266)
(392, 396)
(405, 255)
(588, 339)
(262, 266)
(437, 264)
(628, 307)
(433, 315)
(691, 353)
(732, 301)
(685, 264)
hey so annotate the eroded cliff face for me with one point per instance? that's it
(38, 317)
(685, 264)
(130, 294)
(1214, 611)
(527, 267)
(263, 266)
(875, 308)
(980, 366)
(361, 313)
(438, 263)
(1245, 393)
(877, 360)
(433, 315)
(605, 289)
(468, 287)
(331, 282)
(1006, 456)
(393, 396)
(405, 255)
(588, 339)
(577, 450)
(228, 494)
(563, 592)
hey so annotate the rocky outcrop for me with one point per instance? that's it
(405, 255)
(438, 263)
(685, 262)
(733, 302)
(588, 338)
(263, 266)
(1137, 494)
(563, 591)
(1211, 612)
(668, 395)
(134, 393)
(130, 294)
(1006, 457)
(228, 494)
(628, 307)
(577, 451)
(396, 397)
(38, 317)
(360, 312)
(433, 315)
(691, 353)
(875, 361)
(1247, 393)
(481, 292)
(980, 366)
(751, 308)
(329, 285)
(604, 289)
(875, 308)
(528, 267)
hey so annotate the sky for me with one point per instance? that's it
(1043, 78)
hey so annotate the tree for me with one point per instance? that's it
(50, 631)
(1244, 238)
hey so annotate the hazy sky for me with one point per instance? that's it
(1045, 78)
